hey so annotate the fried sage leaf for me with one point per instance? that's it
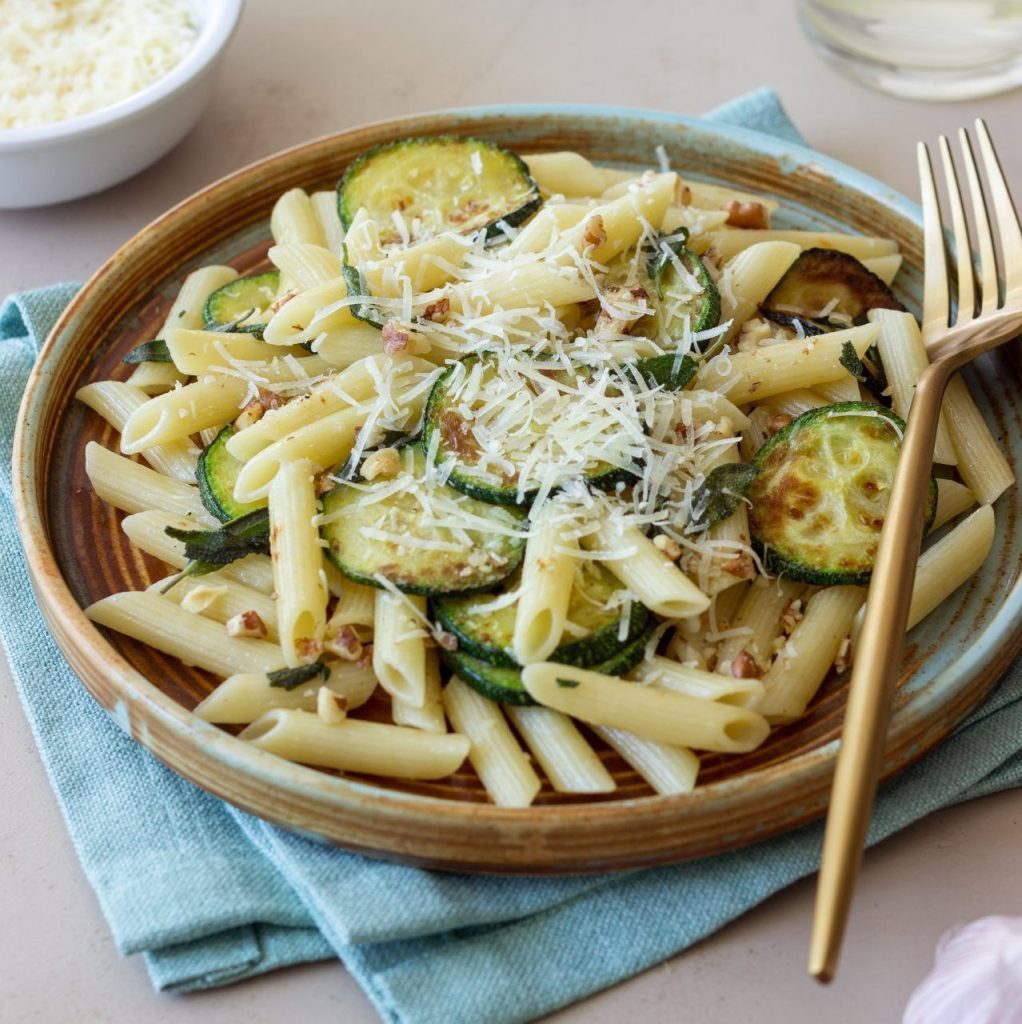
(720, 494)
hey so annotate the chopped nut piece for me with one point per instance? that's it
(366, 661)
(251, 413)
(743, 666)
(385, 463)
(203, 596)
(593, 232)
(778, 422)
(747, 215)
(792, 615)
(344, 644)
(843, 661)
(671, 548)
(282, 300)
(448, 641)
(437, 311)
(322, 483)
(308, 648)
(740, 566)
(627, 305)
(246, 623)
(331, 707)
(394, 336)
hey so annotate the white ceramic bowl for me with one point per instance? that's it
(54, 162)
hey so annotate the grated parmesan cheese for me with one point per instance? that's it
(61, 59)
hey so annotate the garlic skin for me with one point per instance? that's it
(976, 976)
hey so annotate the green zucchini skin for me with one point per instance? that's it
(488, 637)
(458, 198)
(504, 685)
(703, 309)
(217, 473)
(441, 420)
(237, 297)
(815, 279)
(667, 371)
(410, 569)
(818, 502)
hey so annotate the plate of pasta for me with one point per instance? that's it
(498, 490)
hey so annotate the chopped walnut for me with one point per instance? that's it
(366, 661)
(308, 648)
(202, 596)
(448, 641)
(385, 463)
(671, 548)
(593, 233)
(740, 566)
(747, 215)
(251, 413)
(322, 483)
(627, 304)
(437, 311)
(246, 623)
(792, 615)
(282, 300)
(345, 644)
(843, 661)
(331, 707)
(743, 666)
(777, 422)
(394, 336)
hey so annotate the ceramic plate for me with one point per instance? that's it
(78, 554)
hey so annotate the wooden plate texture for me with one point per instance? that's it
(77, 553)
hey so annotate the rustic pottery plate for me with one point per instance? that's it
(78, 554)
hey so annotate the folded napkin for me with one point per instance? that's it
(210, 895)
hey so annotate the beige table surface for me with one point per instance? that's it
(300, 69)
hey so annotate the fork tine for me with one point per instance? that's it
(989, 298)
(960, 229)
(1004, 212)
(935, 293)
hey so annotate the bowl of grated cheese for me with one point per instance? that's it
(96, 90)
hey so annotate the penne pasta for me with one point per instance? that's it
(669, 770)
(355, 746)
(399, 646)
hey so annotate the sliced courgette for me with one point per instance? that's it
(217, 473)
(819, 499)
(679, 289)
(471, 396)
(441, 184)
(593, 607)
(504, 685)
(242, 304)
(826, 290)
(384, 528)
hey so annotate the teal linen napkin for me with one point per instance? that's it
(211, 895)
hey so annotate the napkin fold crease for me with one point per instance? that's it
(211, 895)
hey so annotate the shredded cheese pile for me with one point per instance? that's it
(63, 58)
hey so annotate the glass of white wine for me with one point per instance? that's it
(921, 49)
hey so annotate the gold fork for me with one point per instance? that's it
(954, 335)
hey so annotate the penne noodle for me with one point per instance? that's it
(669, 770)
(306, 265)
(498, 760)
(132, 487)
(728, 244)
(665, 716)
(567, 760)
(670, 675)
(244, 697)
(749, 278)
(115, 401)
(429, 717)
(953, 499)
(219, 597)
(194, 640)
(293, 220)
(324, 207)
(296, 557)
(354, 746)
(399, 646)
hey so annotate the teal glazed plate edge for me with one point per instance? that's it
(952, 661)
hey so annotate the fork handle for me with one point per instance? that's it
(874, 671)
